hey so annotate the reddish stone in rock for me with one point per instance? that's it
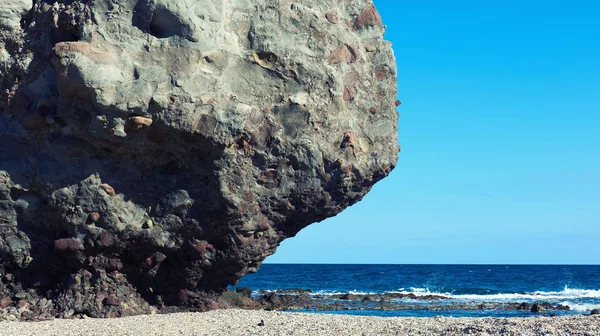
(368, 17)
(248, 196)
(343, 54)
(269, 179)
(105, 238)
(202, 247)
(23, 304)
(349, 94)
(113, 300)
(264, 226)
(108, 189)
(332, 17)
(67, 245)
(380, 75)
(137, 123)
(347, 170)
(32, 120)
(374, 109)
(87, 274)
(94, 216)
(5, 302)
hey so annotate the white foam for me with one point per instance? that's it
(581, 307)
(565, 294)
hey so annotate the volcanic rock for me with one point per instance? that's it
(153, 152)
(537, 308)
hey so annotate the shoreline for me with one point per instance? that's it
(247, 322)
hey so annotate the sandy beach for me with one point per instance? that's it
(245, 322)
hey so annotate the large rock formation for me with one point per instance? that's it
(153, 152)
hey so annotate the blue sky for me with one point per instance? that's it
(500, 135)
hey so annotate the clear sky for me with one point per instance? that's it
(500, 135)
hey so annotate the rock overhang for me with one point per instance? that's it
(171, 159)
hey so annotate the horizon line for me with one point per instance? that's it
(431, 264)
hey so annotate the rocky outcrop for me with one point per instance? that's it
(153, 152)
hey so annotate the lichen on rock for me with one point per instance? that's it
(153, 152)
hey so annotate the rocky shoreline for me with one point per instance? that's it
(28, 307)
(301, 299)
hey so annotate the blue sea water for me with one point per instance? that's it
(575, 286)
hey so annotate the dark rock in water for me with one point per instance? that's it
(285, 301)
(537, 308)
(244, 291)
(294, 291)
(524, 306)
(432, 297)
(595, 312)
(370, 298)
(273, 299)
(348, 296)
(562, 307)
(154, 152)
(232, 299)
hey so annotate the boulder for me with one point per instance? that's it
(537, 308)
(244, 291)
(154, 152)
(595, 312)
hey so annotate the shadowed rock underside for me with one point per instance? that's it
(153, 152)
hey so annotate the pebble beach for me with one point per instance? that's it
(246, 322)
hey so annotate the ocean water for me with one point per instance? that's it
(487, 286)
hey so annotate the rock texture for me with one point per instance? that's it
(153, 152)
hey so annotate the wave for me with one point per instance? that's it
(581, 307)
(565, 294)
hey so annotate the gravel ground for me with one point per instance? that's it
(245, 322)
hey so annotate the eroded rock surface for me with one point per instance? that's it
(153, 152)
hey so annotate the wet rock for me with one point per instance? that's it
(537, 308)
(348, 296)
(244, 291)
(294, 291)
(524, 306)
(233, 299)
(595, 312)
(161, 150)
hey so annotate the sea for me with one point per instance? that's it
(486, 286)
